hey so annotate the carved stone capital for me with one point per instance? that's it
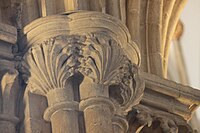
(98, 50)
(49, 65)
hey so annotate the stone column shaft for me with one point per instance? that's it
(120, 124)
(98, 109)
(8, 123)
(62, 110)
(65, 121)
(98, 115)
(7, 127)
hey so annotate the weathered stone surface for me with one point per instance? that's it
(82, 71)
(9, 95)
(8, 33)
(97, 54)
(8, 40)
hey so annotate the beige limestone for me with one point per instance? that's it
(68, 71)
(74, 54)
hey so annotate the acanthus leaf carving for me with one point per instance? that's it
(102, 58)
(95, 55)
(105, 62)
(51, 63)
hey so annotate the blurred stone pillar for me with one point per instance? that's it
(8, 98)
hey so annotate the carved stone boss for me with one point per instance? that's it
(97, 49)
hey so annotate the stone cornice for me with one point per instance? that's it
(169, 96)
(166, 106)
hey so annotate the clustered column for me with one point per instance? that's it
(55, 53)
